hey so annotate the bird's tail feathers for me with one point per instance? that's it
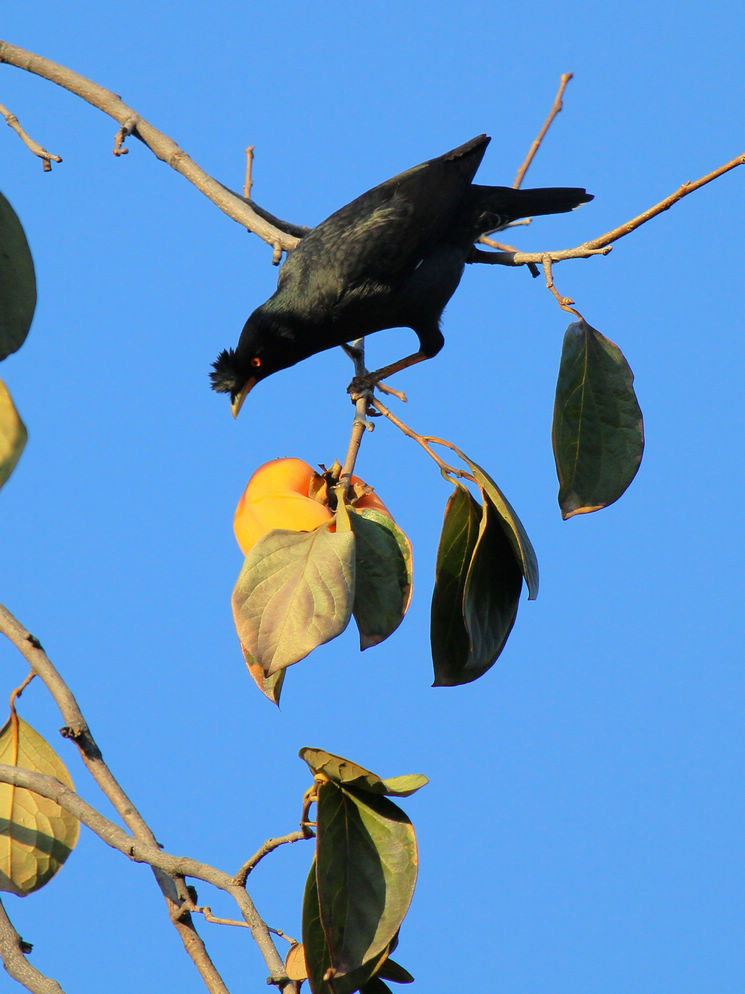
(508, 205)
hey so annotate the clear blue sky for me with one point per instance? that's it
(582, 831)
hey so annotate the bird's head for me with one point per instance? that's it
(237, 371)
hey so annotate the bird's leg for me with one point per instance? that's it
(370, 380)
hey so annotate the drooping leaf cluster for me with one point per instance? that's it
(362, 878)
(298, 590)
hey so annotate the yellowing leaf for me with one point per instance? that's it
(270, 686)
(294, 593)
(295, 963)
(13, 434)
(36, 834)
(344, 771)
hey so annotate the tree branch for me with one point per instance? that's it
(77, 729)
(557, 107)
(14, 959)
(602, 245)
(269, 846)
(282, 235)
(144, 852)
(46, 157)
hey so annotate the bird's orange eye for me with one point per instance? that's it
(256, 361)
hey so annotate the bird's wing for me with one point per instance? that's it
(381, 237)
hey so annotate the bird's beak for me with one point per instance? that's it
(237, 404)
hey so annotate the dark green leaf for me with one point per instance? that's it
(475, 603)
(294, 593)
(17, 282)
(383, 575)
(375, 986)
(511, 524)
(391, 970)
(317, 956)
(366, 868)
(448, 635)
(13, 435)
(344, 771)
(598, 432)
(490, 599)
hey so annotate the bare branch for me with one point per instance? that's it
(602, 245)
(47, 158)
(423, 440)
(280, 234)
(269, 846)
(77, 729)
(563, 302)
(663, 205)
(248, 182)
(563, 83)
(361, 403)
(144, 852)
(13, 952)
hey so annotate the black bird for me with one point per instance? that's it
(392, 258)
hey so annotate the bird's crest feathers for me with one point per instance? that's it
(226, 375)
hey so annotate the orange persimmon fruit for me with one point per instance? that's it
(289, 494)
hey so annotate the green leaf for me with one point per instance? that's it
(316, 951)
(36, 834)
(375, 986)
(460, 529)
(391, 970)
(13, 435)
(491, 596)
(317, 957)
(513, 527)
(598, 431)
(294, 593)
(477, 590)
(383, 575)
(366, 868)
(17, 282)
(344, 771)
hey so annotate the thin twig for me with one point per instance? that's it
(269, 846)
(248, 181)
(421, 440)
(283, 935)
(360, 424)
(153, 855)
(564, 302)
(682, 191)
(542, 133)
(128, 128)
(47, 158)
(277, 233)
(13, 952)
(206, 913)
(602, 245)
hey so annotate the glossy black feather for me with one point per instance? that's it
(391, 258)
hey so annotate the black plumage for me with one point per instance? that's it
(391, 258)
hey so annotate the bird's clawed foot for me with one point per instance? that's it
(363, 386)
